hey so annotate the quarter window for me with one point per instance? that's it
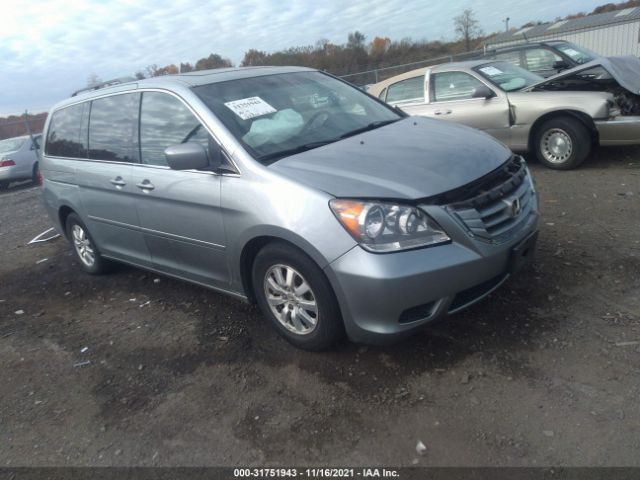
(66, 136)
(113, 128)
(454, 86)
(407, 90)
(166, 121)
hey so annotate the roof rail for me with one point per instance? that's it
(108, 83)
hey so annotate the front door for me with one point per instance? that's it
(179, 211)
(450, 98)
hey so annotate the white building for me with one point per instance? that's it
(608, 34)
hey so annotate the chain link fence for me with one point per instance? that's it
(368, 77)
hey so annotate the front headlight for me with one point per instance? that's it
(387, 227)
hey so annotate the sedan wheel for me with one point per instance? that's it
(556, 146)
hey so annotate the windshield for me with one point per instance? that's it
(12, 144)
(507, 76)
(279, 115)
(577, 54)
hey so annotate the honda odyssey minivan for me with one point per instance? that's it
(334, 212)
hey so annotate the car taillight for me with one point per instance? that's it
(7, 163)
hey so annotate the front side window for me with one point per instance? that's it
(166, 121)
(508, 77)
(113, 128)
(66, 132)
(411, 89)
(274, 116)
(449, 86)
(540, 59)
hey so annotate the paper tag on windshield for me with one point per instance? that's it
(571, 52)
(251, 107)
(491, 71)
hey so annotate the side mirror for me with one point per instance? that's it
(187, 156)
(482, 92)
(560, 65)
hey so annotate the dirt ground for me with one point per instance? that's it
(546, 371)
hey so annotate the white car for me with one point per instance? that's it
(19, 159)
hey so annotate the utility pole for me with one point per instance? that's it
(506, 22)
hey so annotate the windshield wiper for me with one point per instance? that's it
(366, 128)
(292, 151)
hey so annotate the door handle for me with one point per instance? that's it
(145, 185)
(442, 112)
(118, 182)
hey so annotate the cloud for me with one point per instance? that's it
(49, 47)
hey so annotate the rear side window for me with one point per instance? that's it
(166, 121)
(406, 90)
(67, 136)
(113, 128)
(512, 57)
(539, 59)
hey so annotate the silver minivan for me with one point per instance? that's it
(334, 212)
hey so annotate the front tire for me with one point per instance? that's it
(294, 294)
(562, 143)
(84, 247)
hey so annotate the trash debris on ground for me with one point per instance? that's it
(84, 349)
(548, 433)
(627, 344)
(19, 312)
(39, 239)
(41, 261)
(156, 280)
(148, 302)
(82, 364)
(421, 448)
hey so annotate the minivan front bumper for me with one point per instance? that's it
(384, 297)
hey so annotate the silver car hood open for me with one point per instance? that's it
(412, 158)
(625, 70)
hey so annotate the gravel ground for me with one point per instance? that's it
(546, 371)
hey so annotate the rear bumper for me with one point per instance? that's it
(384, 298)
(9, 173)
(619, 131)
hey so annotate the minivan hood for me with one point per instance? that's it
(412, 158)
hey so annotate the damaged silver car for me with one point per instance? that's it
(559, 118)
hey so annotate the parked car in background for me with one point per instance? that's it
(333, 211)
(559, 118)
(544, 58)
(19, 159)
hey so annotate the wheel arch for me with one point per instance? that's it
(254, 244)
(63, 213)
(582, 117)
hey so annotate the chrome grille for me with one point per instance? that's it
(493, 214)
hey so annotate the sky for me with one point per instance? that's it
(49, 48)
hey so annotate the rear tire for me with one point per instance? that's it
(295, 295)
(35, 174)
(84, 247)
(562, 143)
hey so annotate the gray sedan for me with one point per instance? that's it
(19, 159)
(559, 118)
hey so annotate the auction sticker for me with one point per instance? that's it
(251, 107)
(491, 71)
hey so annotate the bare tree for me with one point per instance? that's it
(356, 40)
(467, 27)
